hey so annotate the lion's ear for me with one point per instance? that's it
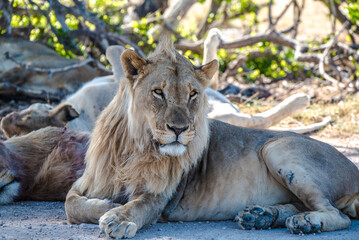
(113, 54)
(132, 63)
(64, 112)
(208, 70)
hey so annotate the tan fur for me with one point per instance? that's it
(154, 155)
(41, 165)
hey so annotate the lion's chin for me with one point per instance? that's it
(173, 149)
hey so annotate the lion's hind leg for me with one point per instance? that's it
(264, 217)
(317, 174)
(349, 205)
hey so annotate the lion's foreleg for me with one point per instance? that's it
(80, 209)
(124, 221)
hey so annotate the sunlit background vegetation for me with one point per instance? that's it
(280, 64)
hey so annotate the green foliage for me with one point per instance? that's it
(109, 11)
(141, 28)
(242, 7)
(353, 11)
(278, 63)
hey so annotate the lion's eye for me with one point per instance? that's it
(158, 92)
(193, 93)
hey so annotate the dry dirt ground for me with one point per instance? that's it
(47, 220)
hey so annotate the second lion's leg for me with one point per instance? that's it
(264, 217)
(300, 170)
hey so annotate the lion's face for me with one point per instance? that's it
(170, 96)
(171, 102)
(25, 121)
(37, 116)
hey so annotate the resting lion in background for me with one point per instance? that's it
(37, 116)
(154, 155)
(78, 111)
(41, 165)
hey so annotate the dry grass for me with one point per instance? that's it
(344, 115)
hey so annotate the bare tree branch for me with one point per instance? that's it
(11, 91)
(297, 12)
(340, 16)
(323, 58)
(5, 19)
(173, 13)
(126, 41)
(270, 18)
(48, 70)
(282, 13)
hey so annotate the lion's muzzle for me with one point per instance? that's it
(174, 140)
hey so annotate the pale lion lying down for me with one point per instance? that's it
(80, 111)
(156, 156)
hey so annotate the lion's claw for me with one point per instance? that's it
(303, 223)
(123, 230)
(116, 228)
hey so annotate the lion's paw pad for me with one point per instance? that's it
(303, 223)
(124, 230)
(115, 228)
(255, 217)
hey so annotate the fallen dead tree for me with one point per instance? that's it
(32, 71)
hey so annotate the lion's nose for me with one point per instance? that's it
(177, 130)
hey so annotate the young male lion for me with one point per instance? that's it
(156, 156)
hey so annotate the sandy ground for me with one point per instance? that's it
(34, 220)
(47, 220)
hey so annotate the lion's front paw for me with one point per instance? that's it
(255, 217)
(303, 223)
(117, 228)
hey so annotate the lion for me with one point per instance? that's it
(37, 116)
(78, 111)
(155, 156)
(41, 165)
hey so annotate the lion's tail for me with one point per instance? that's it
(349, 205)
